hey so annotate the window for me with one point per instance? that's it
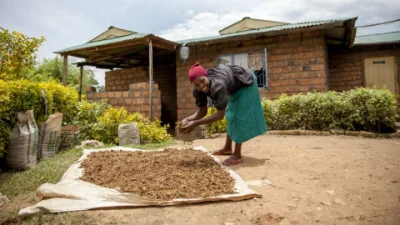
(256, 61)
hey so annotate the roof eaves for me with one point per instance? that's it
(109, 28)
(122, 29)
(377, 43)
(103, 42)
(163, 39)
(115, 40)
(380, 38)
(277, 28)
(234, 23)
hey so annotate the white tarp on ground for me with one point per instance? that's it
(73, 194)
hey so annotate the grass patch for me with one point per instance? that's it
(55, 219)
(49, 171)
(46, 171)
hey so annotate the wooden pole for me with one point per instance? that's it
(80, 84)
(65, 70)
(151, 79)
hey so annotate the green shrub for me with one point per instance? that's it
(86, 117)
(324, 111)
(100, 121)
(372, 108)
(357, 109)
(23, 95)
(60, 99)
(149, 131)
(152, 131)
(216, 127)
(285, 113)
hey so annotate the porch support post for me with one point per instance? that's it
(151, 79)
(65, 70)
(80, 84)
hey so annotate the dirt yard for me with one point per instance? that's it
(307, 180)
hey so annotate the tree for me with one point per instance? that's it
(52, 69)
(17, 54)
(100, 88)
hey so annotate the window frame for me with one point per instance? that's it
(265, 63)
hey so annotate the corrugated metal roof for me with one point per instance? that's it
(244, 18)
(104, 42)
(265, 30)
(388, 37)
(255, 31)
(114, 41)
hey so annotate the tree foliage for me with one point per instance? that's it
(52, 69)
(17, 54)
(22, 95)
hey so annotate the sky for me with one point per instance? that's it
(74, 22)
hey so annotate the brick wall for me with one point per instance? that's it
(346, 67)
(121, 81)
(296, 64)
(136, 99)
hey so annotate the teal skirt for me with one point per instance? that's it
(244, 115)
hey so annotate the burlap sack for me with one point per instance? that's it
(23, 147)
(128, 134)
(50, 136)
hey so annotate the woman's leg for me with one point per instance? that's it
(227, 149)
(236, 157)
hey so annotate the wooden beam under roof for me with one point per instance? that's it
(102, 66)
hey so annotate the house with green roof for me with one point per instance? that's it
(287, 58)
(374, 60)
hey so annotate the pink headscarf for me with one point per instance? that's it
(196, 71)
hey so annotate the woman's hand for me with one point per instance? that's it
(189, 126)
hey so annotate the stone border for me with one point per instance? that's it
(334, 132)
(324, 133)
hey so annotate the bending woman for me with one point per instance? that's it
(235, 95)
